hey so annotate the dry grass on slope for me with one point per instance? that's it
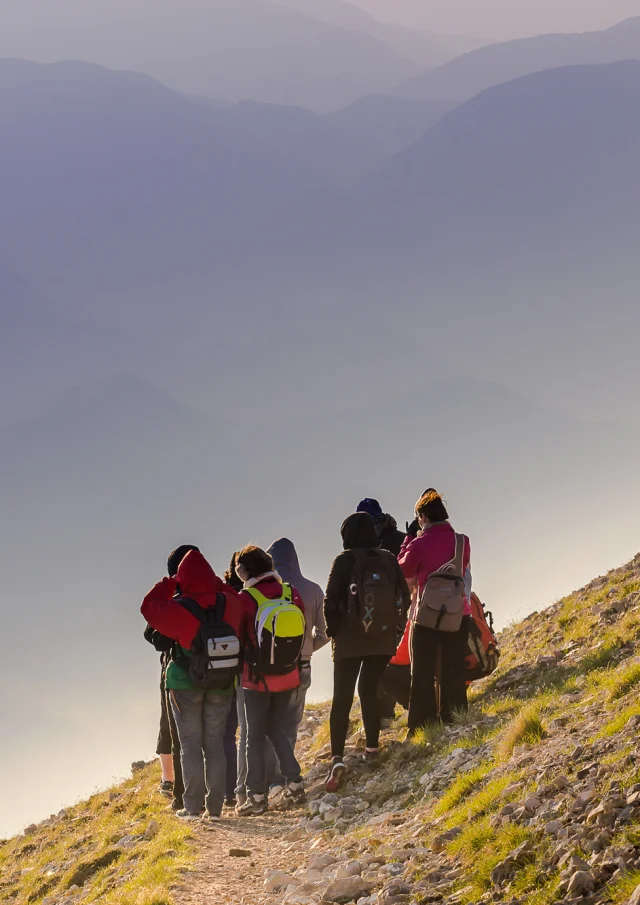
(121, 847)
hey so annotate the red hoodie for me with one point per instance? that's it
(198, 581)
(272, 589)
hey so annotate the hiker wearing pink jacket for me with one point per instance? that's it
(438, 686)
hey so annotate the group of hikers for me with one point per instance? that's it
(236, 654)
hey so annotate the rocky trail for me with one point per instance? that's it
(532, 798)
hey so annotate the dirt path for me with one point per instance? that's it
(222, 878)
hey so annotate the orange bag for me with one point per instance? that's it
(484, 653)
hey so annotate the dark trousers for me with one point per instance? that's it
(345, 677)
(231, 751)
(438, 681)
(267, 716)
(178, 781)
(164, 733)
(395, 688)
(168, 742)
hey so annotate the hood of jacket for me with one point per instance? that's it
(284, 556)
(359, 530)
(195, 576)
(383, 522)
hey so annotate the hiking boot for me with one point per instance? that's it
(294, 793)
(334, 778)
(177, 804)
(371, 755)
(166, 787)
(230, 802)
(211, 818)
(183, 814)
(275, 793)
(254, 806)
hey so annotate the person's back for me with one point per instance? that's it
(287, 565)
(437, 656)
(275, 626)
(367, 599)
(200, 711)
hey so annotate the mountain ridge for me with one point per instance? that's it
(533, 796)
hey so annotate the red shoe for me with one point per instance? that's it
(334, 778)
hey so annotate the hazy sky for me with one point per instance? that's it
(503, 18)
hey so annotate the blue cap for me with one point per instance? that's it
(373, 507)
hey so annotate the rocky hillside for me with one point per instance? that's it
(532, 798)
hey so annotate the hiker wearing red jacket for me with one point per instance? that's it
(200, 713)
(275, 633)
(437, 657)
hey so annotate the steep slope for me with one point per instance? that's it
(230, 49)
(470, 73)
(532, 797)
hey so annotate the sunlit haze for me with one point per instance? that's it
(261, 260)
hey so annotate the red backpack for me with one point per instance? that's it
(484, 653)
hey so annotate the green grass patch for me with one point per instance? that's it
(617, 682)
(83, 849)
(622, 889)
(461, 787)
(493, 845)
(619, 722)
(526, 729)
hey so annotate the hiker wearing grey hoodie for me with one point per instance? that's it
(287, 565)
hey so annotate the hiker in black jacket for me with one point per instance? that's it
(389, 537)
(366, 602)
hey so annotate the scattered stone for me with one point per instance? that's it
(582, 883)
(240, 853)
(348, 890)
(137, 765)
(278, 879)
(152, 830)
(321, 860)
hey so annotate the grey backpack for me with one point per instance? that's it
(441, 605)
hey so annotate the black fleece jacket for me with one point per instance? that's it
(359, 533)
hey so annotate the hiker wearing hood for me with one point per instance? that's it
(365, 606)
(200, 713)
(287, 565)
(275, 630)
(168, 748)
(389, 537)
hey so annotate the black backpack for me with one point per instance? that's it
(374, 604)
(215, 652)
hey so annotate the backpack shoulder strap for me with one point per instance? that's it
(458, 557)
(194, 608)
(221, 604)
(287, 592)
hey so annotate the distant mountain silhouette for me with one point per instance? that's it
(229, 49)
(466, 75)
(414, 44)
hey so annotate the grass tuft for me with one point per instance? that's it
(461, 787)
(526, 729)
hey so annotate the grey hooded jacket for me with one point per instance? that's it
(285, 560)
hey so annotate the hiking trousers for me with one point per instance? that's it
(346, 672)
(266, 713)
(201, 719)
(438, 679)
(395, 688)
(270, 760)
